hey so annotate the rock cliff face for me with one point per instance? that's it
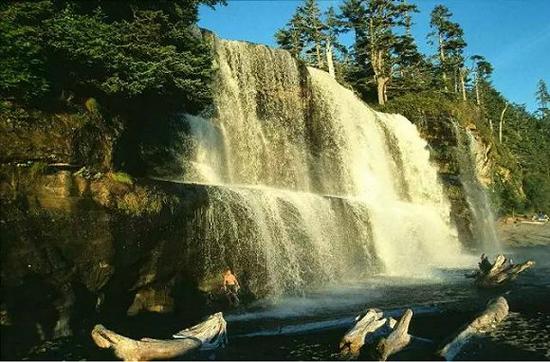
(441, 136)
(78, 138)
(467, 169)
(75, 250)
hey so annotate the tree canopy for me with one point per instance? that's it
(123, 53)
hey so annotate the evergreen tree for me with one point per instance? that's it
(23, 73)
(312, 37)
(543, 99)
(130, 55)
(412, 70)
(482, 71)
(449, 37)
(332, 32)
(374, 23)
(291, 37)
(313, 31)
(358, 71)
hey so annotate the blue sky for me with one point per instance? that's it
(514, 35)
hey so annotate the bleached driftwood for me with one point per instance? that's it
(209, 334)
(383, 336)
(354, 339)
(398, 339)
(495, 312)
(499, 273)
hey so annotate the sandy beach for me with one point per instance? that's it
(524, 234)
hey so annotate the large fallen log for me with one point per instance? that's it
(495, 312)
(381, 336)
(500, 272)
(209, 334)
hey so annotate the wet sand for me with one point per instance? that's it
(521, 234)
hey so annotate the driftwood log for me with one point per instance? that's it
(495, 312)
(209, 334)
(398, 339)
(382, 336)
(500, 272)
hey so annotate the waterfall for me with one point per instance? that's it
(483, 219)
(306, 183)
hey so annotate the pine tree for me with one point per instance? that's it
(449, 37)
(332, 30)
(543, 99)
(291, 37)
(313, 30)
(412, 71)
(482, 71)
(304, 34)
(373, 22)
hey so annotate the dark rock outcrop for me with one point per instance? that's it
(74, 249)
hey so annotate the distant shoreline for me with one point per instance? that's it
(522, 232)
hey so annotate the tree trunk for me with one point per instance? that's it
(209, 334)
(455, 77)
(381, 83)
(318, 52)
(442, 61)
(354, 339)
(478, 99)
(501, 123)
(495, 312)
(330, 60)
(462, 75)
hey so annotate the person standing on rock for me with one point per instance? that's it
(231, 287)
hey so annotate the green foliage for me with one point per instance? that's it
(543, 100)
(291, 37)
(418, 106)
(378, 47)
(122, 177)
(449, 38)
(309, 34)
(127, 55)
(537, 190)
(22, 60)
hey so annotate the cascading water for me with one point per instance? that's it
(306, 183)
(483, 219)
